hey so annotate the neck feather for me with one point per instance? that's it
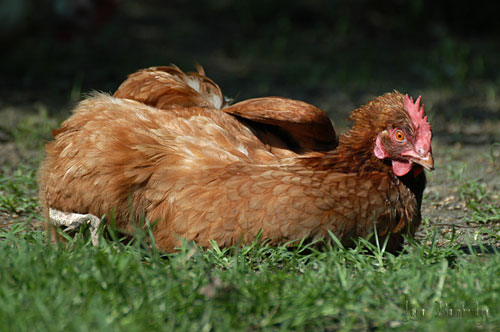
(353, 154)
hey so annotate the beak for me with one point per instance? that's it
(427, 162)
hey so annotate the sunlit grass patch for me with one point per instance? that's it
(132, 286)
(18, 189)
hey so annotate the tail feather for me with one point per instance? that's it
(169, 87)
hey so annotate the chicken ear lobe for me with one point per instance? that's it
(400, 168)
(287, 123)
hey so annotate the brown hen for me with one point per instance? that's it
(167, 146)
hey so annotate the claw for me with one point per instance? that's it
(73, 221)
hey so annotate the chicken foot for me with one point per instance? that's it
(72, 221)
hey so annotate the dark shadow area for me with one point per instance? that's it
(475, 249)
(334, 54)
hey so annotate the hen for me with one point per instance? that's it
(167, 146)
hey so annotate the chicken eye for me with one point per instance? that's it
(399, 136)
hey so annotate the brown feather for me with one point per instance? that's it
(204, 174)
(169, 87)
(307, 127)
(283, 124)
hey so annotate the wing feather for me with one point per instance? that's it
(287, 123)
(287, 126)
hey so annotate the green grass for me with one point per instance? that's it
(18, 189)
(18, 185)
(34, 130)
(257, 287)
(482, 207)
(119, 287)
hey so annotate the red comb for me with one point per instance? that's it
(419, 120)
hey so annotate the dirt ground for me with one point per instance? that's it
(445, 209)
(458, 77)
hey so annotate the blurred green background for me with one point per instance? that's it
(334, 54)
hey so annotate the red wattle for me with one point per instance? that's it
(401, 168)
